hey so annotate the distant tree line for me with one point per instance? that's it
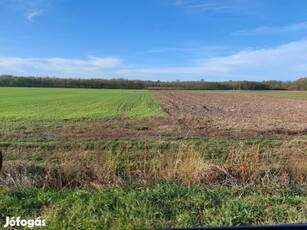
(120, 83)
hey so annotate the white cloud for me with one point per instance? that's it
(222, 6)
(265, 30)
(29, 8)
(191, 49)
(58, 66)
(33, 13)
(285, 62)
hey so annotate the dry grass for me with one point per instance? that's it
(102, 170)
(246, 165)
(297, 168)
(82, 169)
(17, 176)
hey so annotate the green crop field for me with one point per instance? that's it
(60, 104)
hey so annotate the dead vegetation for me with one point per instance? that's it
(104, 170)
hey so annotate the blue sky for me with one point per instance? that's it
(166, 40)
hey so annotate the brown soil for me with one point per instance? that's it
(236, 113)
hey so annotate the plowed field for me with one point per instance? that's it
(236, 112)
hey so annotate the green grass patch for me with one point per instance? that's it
(161, 206)
(60, 104)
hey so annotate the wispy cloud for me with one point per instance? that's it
(30, 8)
(265, 30)
(33, 13)
(222, 6)
(92, 66)
(285, 62)
(190, 49)
(186, 53)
